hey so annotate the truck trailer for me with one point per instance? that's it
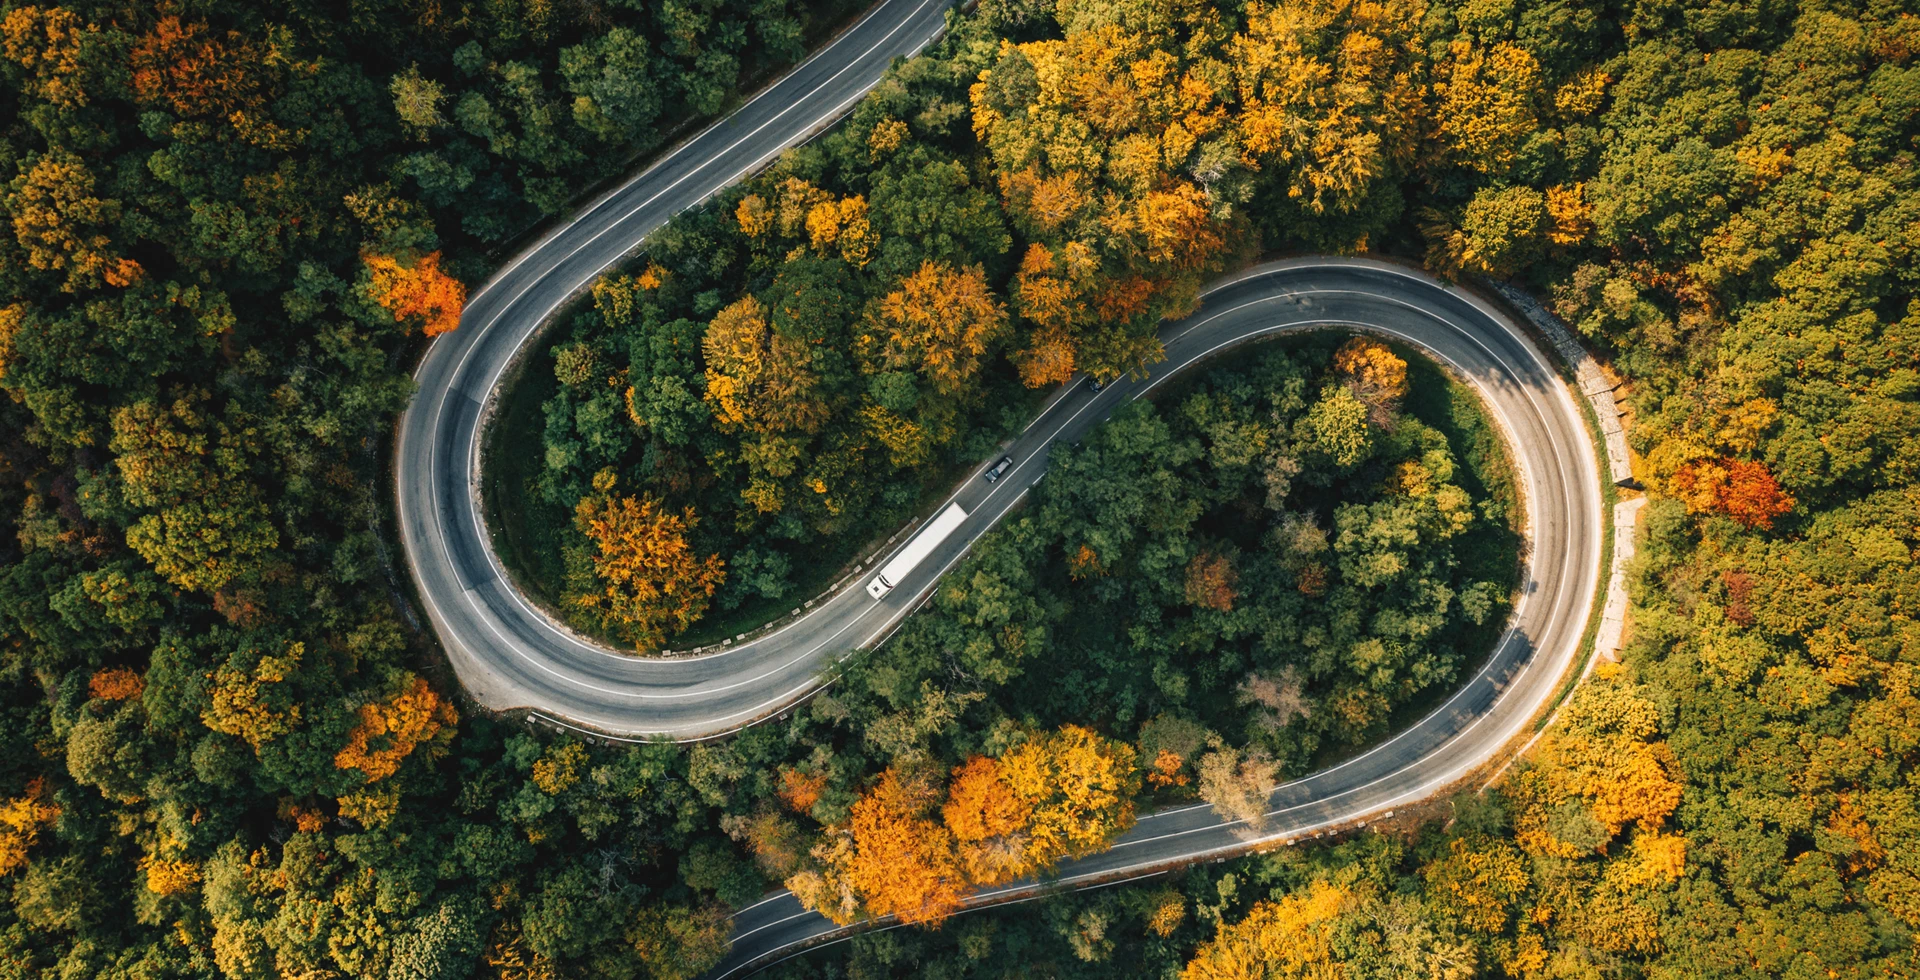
(917, 549)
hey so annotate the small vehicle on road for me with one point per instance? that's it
(1093, 384)
(998, 469)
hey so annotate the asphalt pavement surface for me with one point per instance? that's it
(509, 654)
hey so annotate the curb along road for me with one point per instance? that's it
(509, 655)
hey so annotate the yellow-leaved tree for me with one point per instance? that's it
(253, 694)
(1488, 104)
(1292, 937)
(20, 821)
(416, 291)
(940, 321)
(51, 44)
(1329, 93)
(1479, 882)
(63, 227)
(207, 523)
(801, 212)
(1092, 138)
(1601, 769)
(1376, 376)
(649, 580)
(759, 380)
(1080, 786)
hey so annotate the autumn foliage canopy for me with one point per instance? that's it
(1292, 937)
(941, 320)
(903, 852)
(1741, 489)
(388, 731)
(650, 579)
(417, 291)
(21, 820)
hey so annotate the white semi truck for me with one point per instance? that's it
(916, 550)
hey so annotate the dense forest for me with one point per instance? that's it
(1720, 197)
(1274, 566)
(226, 752)
(1505, 885)
(790, 372)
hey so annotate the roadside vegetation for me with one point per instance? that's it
(1451, 894)
(790, 369)
(226, 754)
(1229, 579)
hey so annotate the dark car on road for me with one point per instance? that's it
(993, 475)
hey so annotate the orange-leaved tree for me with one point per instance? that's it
(1211, 582)
(416, 289)
(1741, 489)
(650, 580)
(116, 684)
(1061, 794)
(194, 71)
(800, 790)
(988, 822)
(1053, 291)
(388, 731)
(1135, 137)
(940, 321)
(761, 383)
(166, 877)
(889, 858)
(903, 860)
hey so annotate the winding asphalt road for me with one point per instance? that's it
(1545, 433)
(508, 654)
